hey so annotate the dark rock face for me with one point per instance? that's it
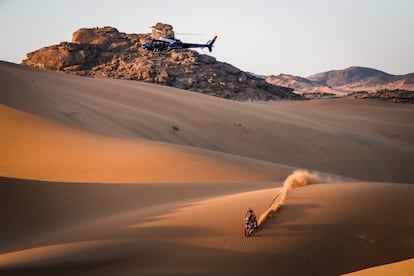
(395, 96)
(108, 53)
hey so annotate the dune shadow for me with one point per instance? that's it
(36, 209)
(156, 251)
(144, 257)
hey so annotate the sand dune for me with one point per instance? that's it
(346, 139)
(403, 268)
(180, 168)
(45, 150)
(323, 227)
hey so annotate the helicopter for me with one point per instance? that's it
(168, 44)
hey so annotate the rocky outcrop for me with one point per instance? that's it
(107, 53)
(160, 30)
(395, 96)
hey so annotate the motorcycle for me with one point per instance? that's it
(249, 227)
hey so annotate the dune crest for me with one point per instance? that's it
(56, 152)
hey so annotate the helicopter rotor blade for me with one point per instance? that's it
(190, 34)
(162, 32)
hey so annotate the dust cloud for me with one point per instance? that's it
(296, 179)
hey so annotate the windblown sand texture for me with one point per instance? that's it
(114, 177)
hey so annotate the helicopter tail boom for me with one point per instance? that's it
(210, 44)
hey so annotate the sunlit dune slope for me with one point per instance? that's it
(402, 268)
(36, 148)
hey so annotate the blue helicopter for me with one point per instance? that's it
(168, 44)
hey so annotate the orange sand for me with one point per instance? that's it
(180, 168)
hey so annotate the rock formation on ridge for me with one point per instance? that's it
(107, 53)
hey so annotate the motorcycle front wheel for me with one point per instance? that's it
(247, 232)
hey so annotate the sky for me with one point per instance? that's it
(298, 37)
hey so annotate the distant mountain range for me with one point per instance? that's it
(304, 86)
(363, 79)
(343, 82)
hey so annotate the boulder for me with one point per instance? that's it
(160, 30)
(60, 56)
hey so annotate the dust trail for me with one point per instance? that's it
(296, 179)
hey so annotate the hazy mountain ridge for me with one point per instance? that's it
(357, 78)
(304, 86)
(354, 82)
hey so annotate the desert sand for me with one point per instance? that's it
(116, 177)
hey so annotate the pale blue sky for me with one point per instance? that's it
(297, 37)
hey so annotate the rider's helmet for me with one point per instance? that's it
(249, 210)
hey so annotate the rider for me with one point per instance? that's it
(250, 218)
